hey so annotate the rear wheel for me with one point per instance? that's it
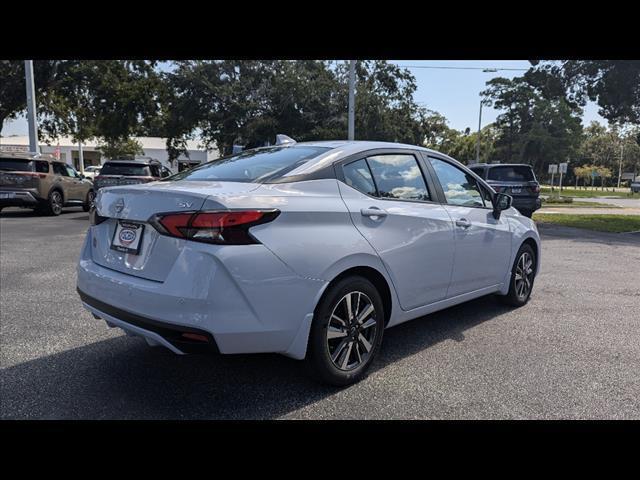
(346, 332)
(522, 277)
(89, 201)
(54, 204)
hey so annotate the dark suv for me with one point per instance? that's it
(129, 172)
(517, 180)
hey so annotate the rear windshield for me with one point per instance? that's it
(259, 165)
(511, 174)
(128, 169)
(14, 165)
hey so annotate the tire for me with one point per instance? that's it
(91, 195)
(344, 359)
(519, 295)
(54, 203)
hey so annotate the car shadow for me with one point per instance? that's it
(122, 378)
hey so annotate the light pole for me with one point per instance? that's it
(478, 140)
(31, 106)
(352, 106)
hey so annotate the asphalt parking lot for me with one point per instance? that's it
(573, 352)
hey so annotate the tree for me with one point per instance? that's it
(613, 84)
(538, 125)
(248, 102)
(121, 149)
(110, 99)
(13, 91)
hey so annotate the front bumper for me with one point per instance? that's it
(246, 299)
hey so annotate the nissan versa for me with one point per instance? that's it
(306, 249)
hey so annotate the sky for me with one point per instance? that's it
(455, 93)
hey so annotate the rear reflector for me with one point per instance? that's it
(220, 228)
(195, 336)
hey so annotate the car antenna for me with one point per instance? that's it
(284, 140)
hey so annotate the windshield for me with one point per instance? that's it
(257, 165)
(129, 169)
(511, 174)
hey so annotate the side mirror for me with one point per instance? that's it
(501, 202)
(82, 176)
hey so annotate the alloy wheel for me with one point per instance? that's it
(524, 275)
(56, 203)
(351, 331)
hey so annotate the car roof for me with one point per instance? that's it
(492, 165)
(138, 161)
(29, 156)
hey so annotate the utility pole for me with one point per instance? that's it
(478, 141)
(31, 106)
(620, 167)
(352, 106)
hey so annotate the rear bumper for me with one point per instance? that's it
(245, 301)
(161, 333)
(527, 203)
(18, 198)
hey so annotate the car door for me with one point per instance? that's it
(482, 243)
(63, 180)
(393, 208)
(78, 185)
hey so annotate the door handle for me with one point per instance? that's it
(463, 222)
(373, 212)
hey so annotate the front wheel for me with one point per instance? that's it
(522, 277)
(346, 332)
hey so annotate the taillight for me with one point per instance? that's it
(497, 189)
(220, 228)
(535, 189)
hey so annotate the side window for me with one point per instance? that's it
(60, 169)
(42, 167)
(155, 172)
(71, 171)
(398, 176)
(459, 187)
(358, 176)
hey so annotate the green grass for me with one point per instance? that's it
(599, 223)
(588, 193)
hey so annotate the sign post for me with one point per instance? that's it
(553, 169)
(563, 169)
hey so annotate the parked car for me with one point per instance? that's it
(635, 185)
(310, 250)
(42, 183)
(517, 180)
(129, 172)
(92, 171)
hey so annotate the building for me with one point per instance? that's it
(154, 147)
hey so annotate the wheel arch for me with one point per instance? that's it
(376, 278)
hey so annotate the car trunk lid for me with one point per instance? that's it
(133, 206)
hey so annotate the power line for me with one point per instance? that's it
(484, 69)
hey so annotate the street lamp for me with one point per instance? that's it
(482, 102)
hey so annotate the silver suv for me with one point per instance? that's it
(43, 183)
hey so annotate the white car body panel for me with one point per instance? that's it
(261, 298)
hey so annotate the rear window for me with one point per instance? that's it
(511, 174)
(16, 165)
(258, 165)
(128, 169)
